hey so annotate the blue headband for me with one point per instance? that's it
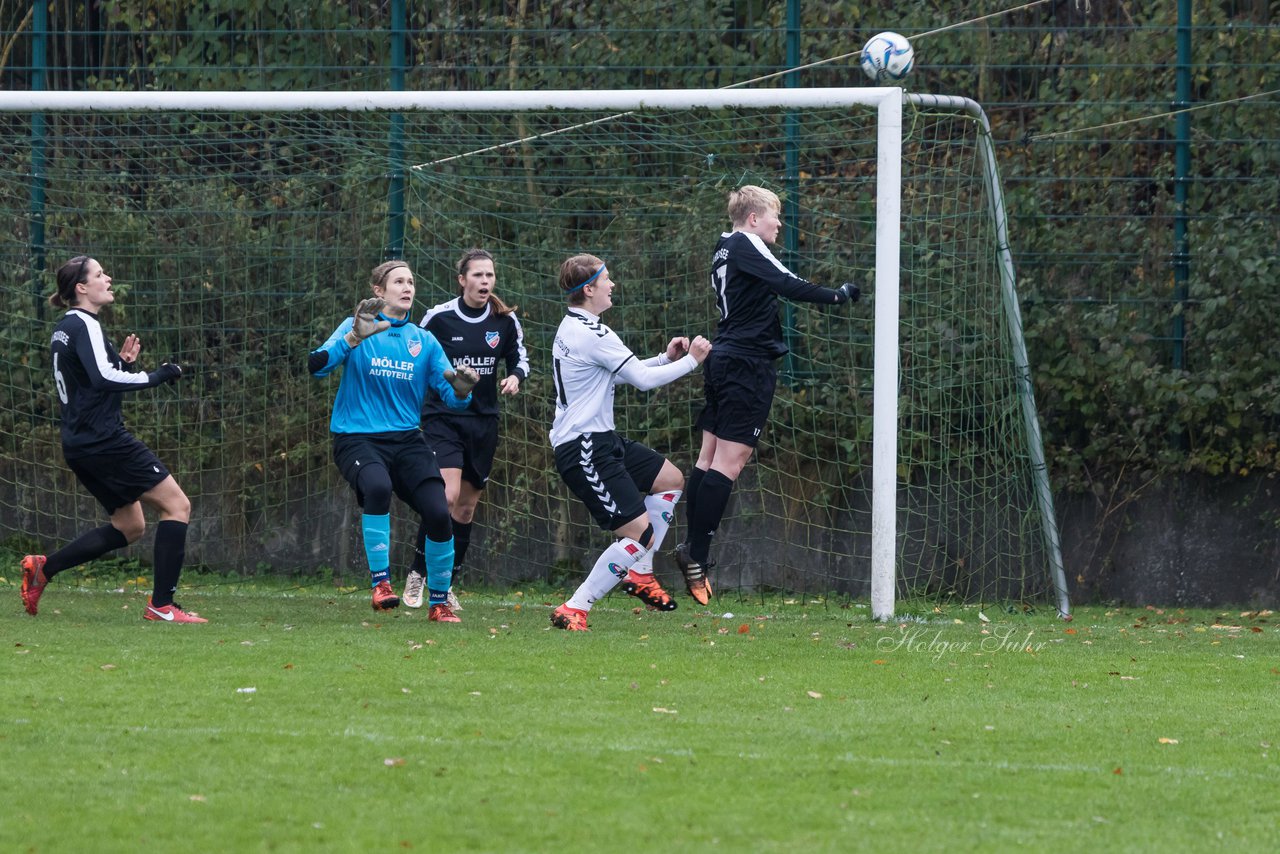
(588, 281)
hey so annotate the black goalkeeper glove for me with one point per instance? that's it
(848, 292)
(166, 373)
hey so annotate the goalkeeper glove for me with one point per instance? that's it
(168, 372)
(848, 292)
(364, 320)
(463, 379)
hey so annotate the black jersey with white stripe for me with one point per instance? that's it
(482, 339)
(748, 280)
(90, 376)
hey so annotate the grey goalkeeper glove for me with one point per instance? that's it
(364, 320)
(463, 378)
(848, 292)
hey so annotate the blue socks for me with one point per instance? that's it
(377, 546)
(439, 559)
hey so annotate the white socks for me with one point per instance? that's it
(611, 567)
(662, 512)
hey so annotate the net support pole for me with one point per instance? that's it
(1022, 368)
(884, 439)
(1017, 341)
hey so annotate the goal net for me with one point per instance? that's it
(239, 233)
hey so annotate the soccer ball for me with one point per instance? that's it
(887, 58)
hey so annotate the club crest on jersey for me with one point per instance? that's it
(415, 347)
(492, 339)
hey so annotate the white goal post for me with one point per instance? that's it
(888, 104)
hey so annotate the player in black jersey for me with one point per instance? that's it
(475, 328)
(117, 469)
(741, 373)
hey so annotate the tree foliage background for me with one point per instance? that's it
(1078, 92)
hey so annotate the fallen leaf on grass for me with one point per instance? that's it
(663, 711)
(108, 667)
(394, 762)
(197, 798)
(746, 627)
(814, 694)
(1164, 740)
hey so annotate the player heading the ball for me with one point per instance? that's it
(741, 373)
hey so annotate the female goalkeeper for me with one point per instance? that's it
(388, 366)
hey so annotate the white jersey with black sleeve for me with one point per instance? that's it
(588, 359)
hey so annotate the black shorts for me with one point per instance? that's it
(406, 456)
(739, 393)
(611, 475)
(466, 442)
(119, 478)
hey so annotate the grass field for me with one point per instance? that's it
(300, 720)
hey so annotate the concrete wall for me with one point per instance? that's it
(1193, 541)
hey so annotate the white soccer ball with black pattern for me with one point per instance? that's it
(887, 58)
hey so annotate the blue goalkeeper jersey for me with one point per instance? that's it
(385, 377)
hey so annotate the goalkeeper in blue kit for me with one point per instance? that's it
(741, 373)
(388, 366)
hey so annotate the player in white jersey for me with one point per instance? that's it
(629, 489)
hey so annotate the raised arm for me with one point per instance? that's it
(646, 376)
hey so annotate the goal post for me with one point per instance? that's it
(301, 180)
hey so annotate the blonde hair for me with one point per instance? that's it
(750, 199)
(576, 272)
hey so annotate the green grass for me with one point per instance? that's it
(300, 720)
